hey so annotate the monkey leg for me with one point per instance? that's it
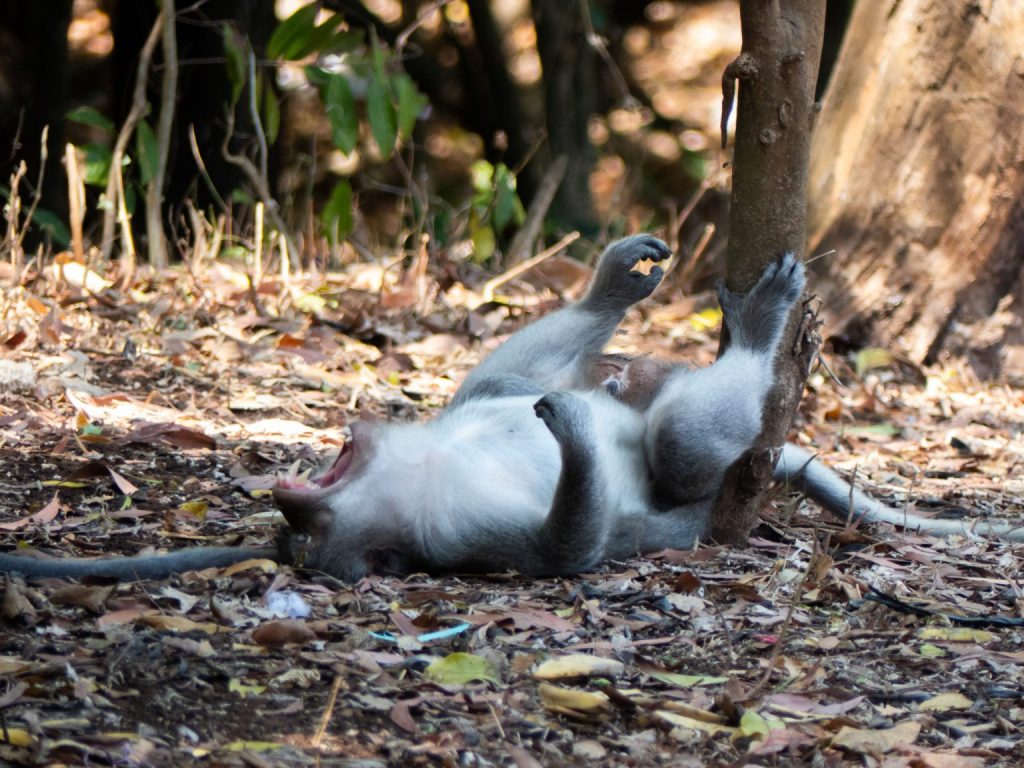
(757, 319)
(574, 535)
(702, 421)
(555, 352)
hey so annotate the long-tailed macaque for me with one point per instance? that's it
(551, 457)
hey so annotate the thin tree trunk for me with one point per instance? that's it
(155, 240)
(776, 71)
(568, 63)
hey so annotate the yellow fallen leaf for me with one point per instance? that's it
(251, 746)
(873, 742)
(197, 509)
(872, 357)
(578, 665)
(245, 691)
(683, 721)
(705, 319)
(944, 702)
(263, 564)
(685, 681)
(931, 651)
(17, 737)
(560, 699)
(957, 634)
(177, 623)
(460, 668)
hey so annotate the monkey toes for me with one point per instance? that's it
(780, 285)
(566, 416)
(782, 280)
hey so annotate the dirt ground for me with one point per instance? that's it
(156, 418)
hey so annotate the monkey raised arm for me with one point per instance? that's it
(554, 352)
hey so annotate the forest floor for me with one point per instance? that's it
(156, 418)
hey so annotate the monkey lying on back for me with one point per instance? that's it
(550, 458)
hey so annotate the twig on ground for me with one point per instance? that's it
(527, 235)
(526, 266)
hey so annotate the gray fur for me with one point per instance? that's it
(487, 486)
(504, 479)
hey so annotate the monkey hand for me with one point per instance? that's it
(616, 283)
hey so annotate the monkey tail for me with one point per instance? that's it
(132, 568)
(802, 471)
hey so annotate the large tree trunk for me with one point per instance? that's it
(777, 70)
(33, 94)
(570, 98)
(917, 181)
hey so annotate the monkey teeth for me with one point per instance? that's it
(293, 480)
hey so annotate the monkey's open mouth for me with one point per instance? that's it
(325, 480)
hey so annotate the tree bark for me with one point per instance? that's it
(34, 74)
(570, 98)
(917, 181)
(776, 70)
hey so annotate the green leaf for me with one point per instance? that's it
(482, 235)
(90, 116)
(344, 41)
(481, 173)
(379, 58)
(410, 103)
(694, 165)
(341, 110)
(52, 225)
(336, 218)
(382, 115)
(506, 203)
(326, 38)
(292, 35)
(130, 198)
(234, 58)
(299, 35)
(97, 164)
(753, 725)
(872, 357)
(318, 76)
(147, 151)
(271, 113)
(460, 668)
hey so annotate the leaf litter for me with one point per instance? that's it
(157, 418)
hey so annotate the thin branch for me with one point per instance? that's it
(115, 182)
(157, 246)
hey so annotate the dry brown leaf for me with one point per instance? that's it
(45, 515)
(93, 599)
(877, 742)
(282, 632)
(177, 623)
